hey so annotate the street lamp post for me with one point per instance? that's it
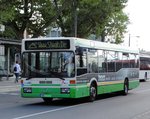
(75, 23)
(75, 15)
(130, 38)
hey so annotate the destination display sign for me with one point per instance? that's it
(47, 44)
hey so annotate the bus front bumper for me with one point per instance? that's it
(57, 92)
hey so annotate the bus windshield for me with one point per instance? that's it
(48, 64)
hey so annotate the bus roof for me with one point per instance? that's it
(144, 54)
(107, 46)
(91, 44)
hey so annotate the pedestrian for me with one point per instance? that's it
(17, 71)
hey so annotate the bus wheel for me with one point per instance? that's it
(126, 87)
(47, 100)
(145, 76)
(93, 93)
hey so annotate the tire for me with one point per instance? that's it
(47, 100)
(92, 92)
(145, 77)
(126, 87)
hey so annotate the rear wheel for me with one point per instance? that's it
(47, 100)
(145, 76)
(93, 93)
(126, 87)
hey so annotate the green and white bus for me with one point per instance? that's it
(144, 72)
(68, 67)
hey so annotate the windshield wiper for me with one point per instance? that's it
(57, 75)
(29, 78)
(37, 74)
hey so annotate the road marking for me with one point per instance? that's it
(144, 115)
(9, 88)
(44, 112)
(142, 91)
(8, 93)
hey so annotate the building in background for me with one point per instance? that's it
(55, 32)
(10, 51)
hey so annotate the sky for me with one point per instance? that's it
(139, 28)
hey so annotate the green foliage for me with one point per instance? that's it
(117, 26)
(6, 11)
(31, 15)
(100, 17)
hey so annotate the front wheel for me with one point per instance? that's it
(47, 100)
(93, 93)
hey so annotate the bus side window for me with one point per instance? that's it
(125, 60)
(81, 63)
(81, 71)
(137, 61)
(92, 61)
(132, 61)
(119, 61)
(101, 61)
(111, 61)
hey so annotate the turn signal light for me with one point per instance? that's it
(72, 81)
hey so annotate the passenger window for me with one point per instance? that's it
(81, 61)
(125, 60)
(101, 61)
(92, 61)
(111, 61)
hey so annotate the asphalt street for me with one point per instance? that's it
(9, 85)
(136, 105)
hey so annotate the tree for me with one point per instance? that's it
(6, 13)
(117, 26)
(100, 17)
(31, 15)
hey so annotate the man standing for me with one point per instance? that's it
(17, 71)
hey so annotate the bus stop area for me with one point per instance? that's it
(8, 86)
(10, 51)
(5, 82)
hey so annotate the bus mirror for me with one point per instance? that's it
(79, 51)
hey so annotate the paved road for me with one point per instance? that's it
(9, 85)
(136, 105)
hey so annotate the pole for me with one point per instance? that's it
(75, 17)
(8, 62)
(75, 24)
(129, 40)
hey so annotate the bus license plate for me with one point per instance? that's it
(27, 90)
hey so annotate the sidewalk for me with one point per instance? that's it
(9, 85)
(10, 81)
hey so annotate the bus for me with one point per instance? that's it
(69, 67)
(144, 73)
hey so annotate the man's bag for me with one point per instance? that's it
(15, 68)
